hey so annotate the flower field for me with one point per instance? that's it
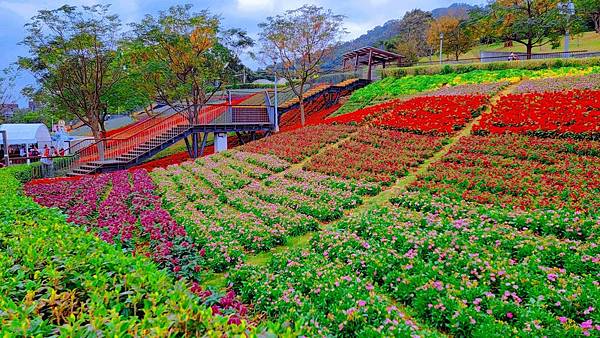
(439, 115)
(390, 88)
(294, 146)
(574, 112)
(519, 171)
(397, 219)
(376, 155)
(234, 205)
(586, 82)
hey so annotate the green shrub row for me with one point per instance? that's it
(398, 72)
(57, 279)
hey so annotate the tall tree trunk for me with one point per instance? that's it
(596, 19)
(529, 51)
(99, 140)
(302, 120)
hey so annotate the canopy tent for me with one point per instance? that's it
(27, 133)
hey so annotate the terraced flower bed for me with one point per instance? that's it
(519, 171)
(449, 269)
(573, 113)
(296, 145)
(232, 205)
(376, 155)
(439, 115)
(586, 82)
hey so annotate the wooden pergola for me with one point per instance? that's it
(370, 56)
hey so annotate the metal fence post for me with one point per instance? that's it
(5, 144)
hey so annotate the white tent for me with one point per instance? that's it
(27, 133)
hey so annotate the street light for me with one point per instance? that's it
(567, 9)
(441, 45)
(276, 110)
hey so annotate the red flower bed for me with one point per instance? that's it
(434, 114)
(572, 113)
(318, 117)
(294, 146)
(376, 154)
(519, 171)
(424, 115)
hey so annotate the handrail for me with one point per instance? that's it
(113, 147)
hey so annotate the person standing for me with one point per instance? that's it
(46, 161)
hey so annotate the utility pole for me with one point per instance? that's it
(276, 117)
(441, 46)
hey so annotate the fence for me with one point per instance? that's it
(486, 57)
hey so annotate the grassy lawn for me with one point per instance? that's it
(589, 41)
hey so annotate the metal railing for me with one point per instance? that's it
(506, 56)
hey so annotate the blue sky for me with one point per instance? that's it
(361, 15)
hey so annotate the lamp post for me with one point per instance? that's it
(567, 9)
(441, 46)
(276, 100)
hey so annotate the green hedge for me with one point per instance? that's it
(57, 279)
(465, 68)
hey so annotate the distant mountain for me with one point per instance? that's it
(458, 10)
(388, 30)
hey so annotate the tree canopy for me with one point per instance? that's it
(73, 54)
(298, 41)
(181, 59)
(589, 9)
(458, 39)
(532, 23)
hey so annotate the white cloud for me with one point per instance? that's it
(255, 5)
(26, 9)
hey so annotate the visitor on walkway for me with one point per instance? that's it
(47, 165)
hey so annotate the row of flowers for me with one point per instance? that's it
(519, 171)
(572, 113)
(391, 88)
(296, 145)
(376, 155)
(233, 205)
(122, 209)
(59, 279)
(585, 82)
(439, 115)
(464, 274)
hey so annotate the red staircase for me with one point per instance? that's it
(141, 137)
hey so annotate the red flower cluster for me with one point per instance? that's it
(294, 146)
(376, 154)
(429, 115)
(519, 171)
(575, 113)
(434, 114)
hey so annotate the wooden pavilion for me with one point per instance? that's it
(370, 56)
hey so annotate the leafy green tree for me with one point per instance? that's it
(411, 41)
(458, 38)
(298, 41)
(532, 23)
(72, 54)
(7, 82)
(590, 9)
(179, 60)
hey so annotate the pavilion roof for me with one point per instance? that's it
(379, 55)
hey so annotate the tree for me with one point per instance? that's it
(532, 23)
(411, 41)
(73, 54)
(298, 41)
(180, 60)
(458, 39)
(6, 84)
(591, 9)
